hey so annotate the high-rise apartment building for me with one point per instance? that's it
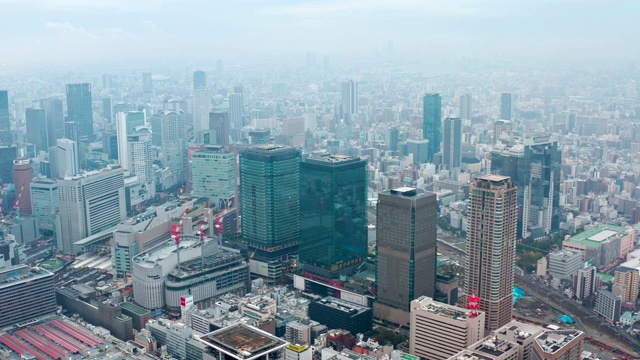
(54, 115)
(213, 175)
(219, 122)
(6, 138)
(432, 123)
(45, 201)
(199, 80)
(22, 177)
(140, 159)
(585, 281)
(465, 107)
(349, 100)
(533, 163)
(64, 159)
(626, 282)
(506, 108)
(439, 330)
(173, 144)
(452, 143)
(270, 206)
(89, 203)
(79, 109)
(406, 246)
(333, 207)
(201, 109)
(147, 82)
(36, 123)
(491, 246)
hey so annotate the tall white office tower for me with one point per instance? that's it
(64, 158)
(139, 158)
(465, 107)
(349, 100)
(126, 124)
(235, 110)
(173, 143)
(89, 203)
(201, 108)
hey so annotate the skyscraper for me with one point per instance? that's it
(147, 83)
(506, 108)
(419, 148)
(201, 109)
(491, 247)
(37, 128)
(54, 114)
(432, 123)
(349, 100)
(452, 143)
(465, 107)
(235, 112)
(391, 139)
(126, 124)
(219, 122)
(64, 159)
(22, 176)
(199, 80)
(140, 159)
(79, 109)
(270, 206)
(533, 162)
(333, 207)
(7, 155)
(107, 109)
(406, 246)
(90, 203)
(173, 145)
(213, 175)
(6, 138)
(45, 201)
(501, 127)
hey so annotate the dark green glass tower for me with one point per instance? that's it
(79, 109)
(270, 206)
(432, 123)
(333, 206)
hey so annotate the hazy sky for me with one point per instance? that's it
(38, 31)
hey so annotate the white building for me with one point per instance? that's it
(64, 159)
(201, 109)
(173, 144)
(213, 175)
(140, 160)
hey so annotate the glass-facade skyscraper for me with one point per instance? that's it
(6, 138)
(79, 109)
(270, 207)
(452, 143)
(333, 206)
(506, 106)
(432, 123)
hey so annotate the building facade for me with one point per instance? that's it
(25, 294)
(22, 177)
(213, 175)
(432, 123)
(452, 143)
(79, 109)
(173, 143)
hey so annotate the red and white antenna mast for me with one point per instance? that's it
(473, 304)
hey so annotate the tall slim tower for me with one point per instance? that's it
(79, 109)
(270, 206)
(506, 108)
(219, 122)
(432, 123)
(465, 107)
(213, 174)
(452, 143)
(22, 176)
(54, 114)
(126, 125)
(173, 144)
(37, 128)
(201, 109)
(140, 158)
(349, 100)
(147, 83)
(199, 80)
(6, 138)
(491, 247)
(333, 206)
(236, 108)
(64, 159)
(406, 244)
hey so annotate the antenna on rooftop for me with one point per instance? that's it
(473, 304)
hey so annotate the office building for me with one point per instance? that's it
(506, 107)
(341, 314)
(36, 124)
(7, 155)
(563, 264)
(236, 110)
(126, 125)
(199, 80)
(406, 247)
(419, 148)
(89, 203)
(219, 122)
(432, 123)
(6, 138)
(140, 158)
(349, 101)
(533, 164)
(585, 281)
(241, 342)
(490, 348)
(439, 330)
(201, 108)
(54, 115)
(608, 305)
(173, 144)
(107, 109)
(600, 244)
(45, 201)
(178, 339)
(559, 345)
(147, 83)
(452, 143)
(213, 175)
(625, 283)
(298, 332)
(523, 334)
(79, 109)
(333, 207)
(491, 247)
(64, 159)
(25, 294)
(392, 136)
(298, 352)
(270, 207)
(71, 131)
(465, 107)
(22, 177)
(500, 128)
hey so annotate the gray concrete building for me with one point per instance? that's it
(563, 264)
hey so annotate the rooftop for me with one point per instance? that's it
(595, 236)
(492, 177)
(345, 306)
(552, 341)
(449, 311)
(243, 342)
(21, 274)
(162, 251)
(332, 159)
(134, 308)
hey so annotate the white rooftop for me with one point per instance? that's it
(603, 235)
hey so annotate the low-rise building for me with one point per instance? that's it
(563, 264)
(340, 314)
